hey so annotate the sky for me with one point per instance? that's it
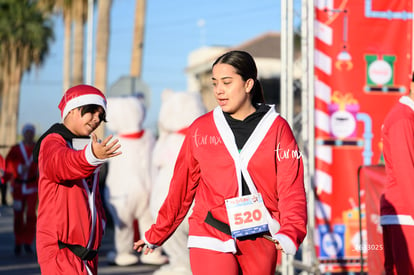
(173, 29)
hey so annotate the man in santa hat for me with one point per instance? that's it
(22, 174)
(71, 219)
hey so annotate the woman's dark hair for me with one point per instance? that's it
(93, 108)
(245, 66)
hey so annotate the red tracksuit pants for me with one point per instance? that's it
(253, 257)
(24, 207)
(398, 249)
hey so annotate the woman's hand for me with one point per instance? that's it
(139, 246)
(278, 246)
(105, 149)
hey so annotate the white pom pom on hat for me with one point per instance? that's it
(81, 95)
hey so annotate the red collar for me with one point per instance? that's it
(133, 135)
(182, 131)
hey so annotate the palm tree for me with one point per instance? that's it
(67, 19)
(102, 44)
(102, 49)
(25, 34)
(65, 8)
(75, 11)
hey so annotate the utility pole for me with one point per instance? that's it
(286, 76)
(138, 42)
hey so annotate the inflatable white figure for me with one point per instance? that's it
(178, 110)
(128, 182)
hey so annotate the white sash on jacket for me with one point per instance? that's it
(27, 161)
(79, 144)
(241, 160)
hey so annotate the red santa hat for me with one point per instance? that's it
(81, 95)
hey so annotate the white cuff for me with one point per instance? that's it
(396, 219)
(151, 246)
(287, 244)
(407, 101)
(90, 157)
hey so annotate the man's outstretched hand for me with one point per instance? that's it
(106, 148)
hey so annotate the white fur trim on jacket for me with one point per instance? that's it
(151, 246)
(407, 101)
(83, 100)
(287, 244)
(242, 158)
(396, 219)
(90, 157)
(212, 244)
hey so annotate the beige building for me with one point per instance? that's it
(265, 49)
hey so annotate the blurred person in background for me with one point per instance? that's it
(3, 185)
(128, 182)
(397, 204)
(22, 173)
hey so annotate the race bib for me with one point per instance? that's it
(246, 215)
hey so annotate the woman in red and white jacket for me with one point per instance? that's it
(242, 148)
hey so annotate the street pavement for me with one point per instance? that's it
(27, 265)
